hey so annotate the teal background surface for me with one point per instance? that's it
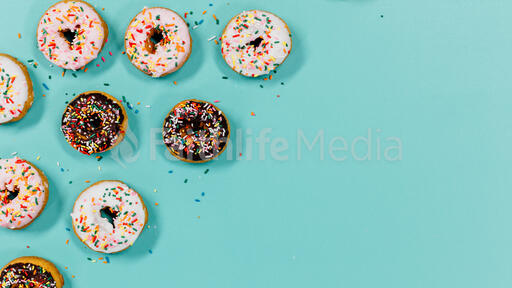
(435, 76)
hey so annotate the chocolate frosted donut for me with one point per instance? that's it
(94, 122)
(196, 131)
(31, 272)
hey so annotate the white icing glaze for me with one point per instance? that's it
(13, 90)
(97, 232)
(73, 16)
(255, 60)
(170, 53)
(18, 175)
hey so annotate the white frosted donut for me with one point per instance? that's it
(109, 216)
(158, 41)
(23, 193)
(255, 42)
(71, 34)
(16, 92)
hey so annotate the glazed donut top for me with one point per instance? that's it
(196, 131)
(75, 19)
(255, 42)
(26, 275)
(122, 203)
(22, 193)
(158, 41)
(14, 89)
(93, 122)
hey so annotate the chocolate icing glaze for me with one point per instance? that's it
(196, 131)
(26, 275)
(92, 123)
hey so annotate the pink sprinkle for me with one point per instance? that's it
(102, 59)
(106, 40)
(109, 52)
(97, 65)
(216, 101)
(278, 96)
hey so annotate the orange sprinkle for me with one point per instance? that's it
(270, 77)
(175, 83)
(214, 17)
(204, 12)
(86, 70)
(44, 95)
(138, 103)
(104, 262)
(101, 258)
(72, 276)
(67, 242)
(156, 204)
(19, 35)
(253, 114)
(216, 42)
(87, 181)
(63, 72)
(66, 267)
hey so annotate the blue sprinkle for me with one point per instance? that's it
(170, 171)
(136, 111)
(200, 22)
(197, 200)
(44, 85)
(61, 169)
(150, 251)
(108, 260)
(67, 229)
(211, 4)
(202, 193)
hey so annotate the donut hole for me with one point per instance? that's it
(95, 121)
(10, 195)
(192, 126)
(109, 214)
(155, 37)
(256, 42)
(69, 35)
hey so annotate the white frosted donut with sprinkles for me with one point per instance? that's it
(109, 216)
(16, 92)
(71, 34)
(23, 193)
(158, 41)
(256, 42)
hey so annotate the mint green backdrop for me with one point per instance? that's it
(432, 77)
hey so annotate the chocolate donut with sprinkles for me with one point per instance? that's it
(158, 41)
(16, 92)
(255, 43)
(30, 271)
(71, 34)
(23, 193)
(94, 122)
(196, 131)
(109, 216)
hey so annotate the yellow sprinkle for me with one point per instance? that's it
(38, 157)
